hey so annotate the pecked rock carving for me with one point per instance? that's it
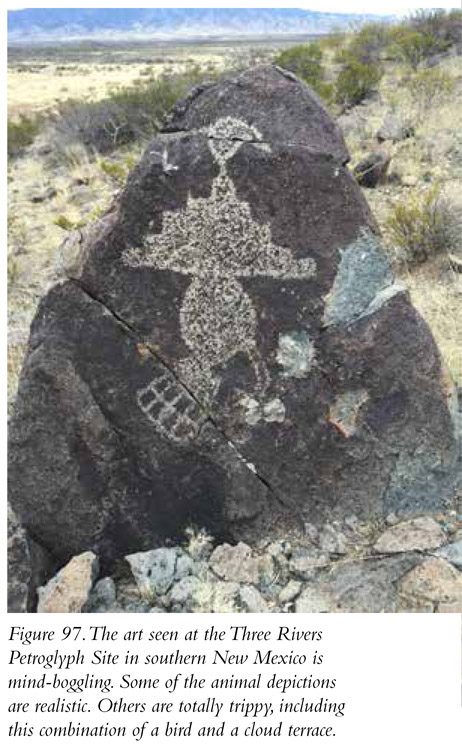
(217, 242)
(229, 348)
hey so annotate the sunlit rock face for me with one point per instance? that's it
(229, 348)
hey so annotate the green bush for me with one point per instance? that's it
(411, 47)
(127, 114)
(369, 42)
(424, 34)
(115, 171)
(21, 133)
(305, 60)
(356, 81)
(64, 223)
(423, 226)
(444, 27)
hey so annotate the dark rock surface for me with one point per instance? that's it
(230, 349)
(372, 169)
(29, 565)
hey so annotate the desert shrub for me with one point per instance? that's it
(410, 46)
(115, 171)
(356, 81)
(199, 543)
(21, 133)
(305, 60)
(64, 223)
(423, 226)
(444, 27)
(369, 42)
(360, 70)
(130, 113)
(429, 88)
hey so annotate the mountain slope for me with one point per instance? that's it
(61, 23)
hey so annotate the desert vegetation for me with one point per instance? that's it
(79, 118)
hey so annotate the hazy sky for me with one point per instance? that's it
(347, 6)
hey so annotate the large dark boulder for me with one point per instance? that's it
(230, 349)
(29, 565)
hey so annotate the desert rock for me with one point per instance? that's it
(230, 349)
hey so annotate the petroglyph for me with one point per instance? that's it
(170, 407)
(217, 242)
(296, 354)
(273, 411)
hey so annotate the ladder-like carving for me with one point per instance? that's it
(175, 414)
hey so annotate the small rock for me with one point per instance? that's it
(435, 581)
(279, 548)
(409, 180)
(420, 534)
(182, 593)
(154, 571)
(452, 553)
(40, 197)
(69, 590)
(357, 586)
(394, 128)
(372, 169)
(391, 519)
(239, 564)
(157, 610)
(311, 531)
(136, 606)
(290, 591)
(332, 541)
(252, 601)
(185, 566)
(456, 264)
(306, 567)
(352, 523)
(313, 601)
(103, 595)
(219, 597)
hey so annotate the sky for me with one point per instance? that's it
(379, 7)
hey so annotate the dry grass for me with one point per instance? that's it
(418, 163)
(30, 91)
(34, 237)
(436, 292)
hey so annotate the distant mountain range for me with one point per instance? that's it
(61, 24)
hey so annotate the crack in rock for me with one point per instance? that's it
(130, 330)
